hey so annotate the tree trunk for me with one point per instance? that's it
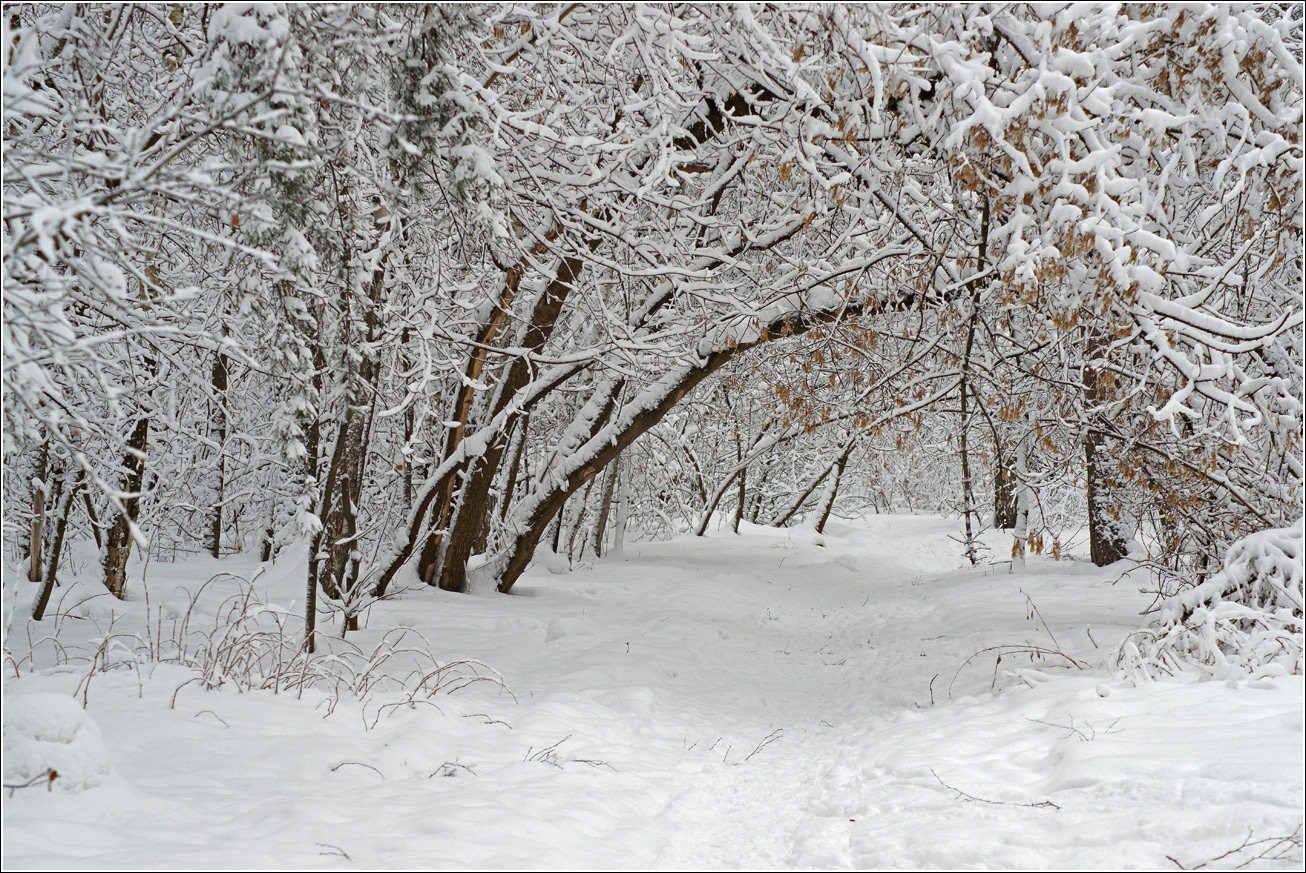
(833, 491)
(646, 412)
(712, 504)
(446, 562)
(1005, 493)
(605, 507)
(967, 492)
(118, 540)
(1106, 540)
(1024, 503)
(63, 510)
(219, 419)
(743, 484)
(967, 485)
(623, 510)
(38, 530)
(92, 518)
(838, 461)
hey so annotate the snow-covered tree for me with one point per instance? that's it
(413, 282)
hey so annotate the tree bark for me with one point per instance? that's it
(219, 383)
(470, 514)
(38, 530)
(1106, 540)
(833, 491)
(118, 540)
(63, 512)
(1005, 493)
(605, 507)
(743, 485)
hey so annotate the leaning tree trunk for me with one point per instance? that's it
(833, 491)
(605, 507)
(796, 506)
(645, 412)
(63, 509)
(447, 565)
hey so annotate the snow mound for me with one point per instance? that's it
(1247, 619)
(44, 732)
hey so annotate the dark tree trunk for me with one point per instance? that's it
(969, 508)
(1005, 493)
(449, 559)
(519, 553)
(1106, 541)
(63, 510)
(433, 550)
(39, 486)
(839, 465)
(219, 419)
(742, 483)
(92, 517)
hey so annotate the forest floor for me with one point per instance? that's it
(774, 699)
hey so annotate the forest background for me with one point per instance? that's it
(433, 287)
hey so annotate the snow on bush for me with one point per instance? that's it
(255, 645)
(1247, 619)
(46, 732)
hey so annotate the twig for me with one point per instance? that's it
(1083, 737)
(1034, 607)
(548, 754)
(1278, 849)
(335, 850)
(449, 768)
(1012, 650)
(47, 778)
(488, 720)
(1042, 804)
(212, 713)
(766, 741)
(358, 764)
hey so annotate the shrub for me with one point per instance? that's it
(1245, 620)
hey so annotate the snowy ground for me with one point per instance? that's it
(768, 700)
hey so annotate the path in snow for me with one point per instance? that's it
(837, 652)
(745, 701)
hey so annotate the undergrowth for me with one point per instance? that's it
(246, 644)
(1246, 620)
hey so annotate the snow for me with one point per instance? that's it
(768, 700)
(46, 731)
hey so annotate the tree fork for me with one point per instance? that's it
(441, 479)
(449, 567)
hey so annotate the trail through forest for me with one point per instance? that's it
(775, 699)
